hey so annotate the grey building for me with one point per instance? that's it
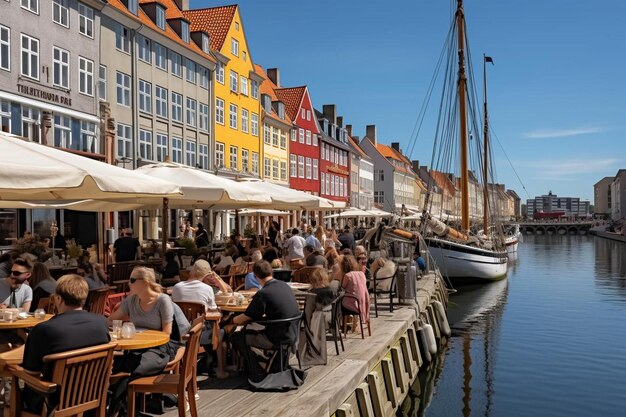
(602, 199)
(551, 203)
(618, 195)
(517, 209)
(362, 175)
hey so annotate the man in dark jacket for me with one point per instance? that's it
(346, 239)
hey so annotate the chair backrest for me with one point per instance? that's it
(184, 274)
(303, 275)
(192, 310)
(48, 304)
(96, 300)
(82, 376)
(192, 346)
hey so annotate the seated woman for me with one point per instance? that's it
(354, 283)
(42, 283)
(320, 285)
(171, 268)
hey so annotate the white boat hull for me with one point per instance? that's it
(458, 261)
(511, 244)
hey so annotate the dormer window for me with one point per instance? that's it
(205, 43)
(281, 110)
(267, 102)
(160, 17)
(184, 31)
(133, 6)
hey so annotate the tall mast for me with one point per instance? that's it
(486, 154)
(460, 23)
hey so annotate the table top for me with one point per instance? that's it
(23, 323)
(299, 286)
(233, 308)
(143, 340)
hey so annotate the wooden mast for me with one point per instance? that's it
(460, 21)
(486, 155)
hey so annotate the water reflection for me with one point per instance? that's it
(610, 265)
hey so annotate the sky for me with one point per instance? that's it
(556, 92)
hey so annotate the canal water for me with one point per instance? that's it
(550, 340)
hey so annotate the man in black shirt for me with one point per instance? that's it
(72, 328)
(126, 248)
(274, 301)
(347, 239)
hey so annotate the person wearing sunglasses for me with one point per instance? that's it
(13, 292)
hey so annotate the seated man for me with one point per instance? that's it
(72, 328)
(274, 301)
(13, 292)
(313, 257)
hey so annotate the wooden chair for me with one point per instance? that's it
(303, 275)
(80, 379)
(236, 272)
(391, 290)
(48, 304)
(346, 318)
(296, 264)
(192, 310)
(97, 300)
(181, 383)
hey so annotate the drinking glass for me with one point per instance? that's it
(40, 314)
(117, 328)
(128, 330)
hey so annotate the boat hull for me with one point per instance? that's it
(462, 262)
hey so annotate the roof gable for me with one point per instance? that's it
(214, 20)
(268, 87)
(292, 97)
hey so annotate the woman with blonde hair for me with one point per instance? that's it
(331, 240)
(320, 285)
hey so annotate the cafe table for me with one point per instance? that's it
(233, 308)
(23, 323)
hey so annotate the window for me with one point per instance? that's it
(255, 89)
(88, 137)
(322, 184)
(204, 77)
(308, 168)
(5, 48)
(300, 166)
(85, 20)
(219, 111)
(31, 123)
(5, 116)
(203, 117)
(315, 169)
(301, 135)
(254, 124)
(177, 107)
(255, 163)
(234, 81)
(205, 43)
(323, 152)
(30, 57)
(123, 89)
(244, 85)
(122, 38)
(267, 168)
(176, 64)
(244, 160)
(191, 112)
(244, 56)
(328, 182)
(379, 197)
(145, 96)
(234, 46)
(314, 137)
(237, 26)
(203, 156)
(219, 155)
(219, 72)
(161, 147)
(281, 110)
(303, 113)
(85, 76)
(233, 116)
(283, 140)
(62, 131)
(60, 67)
(144, 49)
(124, 141)
(190, 153)
(190, 71)
(292, 166)
(283, 171)
(308, 115)
(160, 17)
(177, 150)
(184, 31)
(160, 56)
(308, 137)
(332, 185)
(244, 120)
(293, 135)
(31, 5)
(61, 13)
(145, 145)
(275, 170)
(379, 175)
(233, 157)
(274, 137)
(161, 101)
(266, 133)
(133, 6)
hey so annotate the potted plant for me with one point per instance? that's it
(73, 251)
(190, 250)
(32, 244)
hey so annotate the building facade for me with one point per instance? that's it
(618, 195)
(361, 189)
(602, 198)
(551, 203)
(334, 155)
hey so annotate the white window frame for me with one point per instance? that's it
(205, 43)
(85, 76)
(234, 46)
(315, 169)
(219, 155)
(300, 135)
(219, 111)
(203, 117)
(314, 139)
(244, 85)
(123, 136)
(160, 104)
(30, 5)
(283, 170)
(283, 139)
(233, 119)
(293, 166)
(267, 134)
(300, 166)
(309, 167)
(204, 76)
(144, 49)
(191, 112)
(267, 168)
(190, 71)
(160, 17)
(61, 11)
(145, 145)
(293, 135)
(89, 137)
(177, 150)
(322, 184)
(160, 56)
(275, 135)
(5, 115)
(308, 137)
(234, 81)
(190, 153)
(245, 162)
(245, 120)
(145, 96)
(122, 38)
(303, 114)
(184, 31)
(85, 20)
(60, 67)
(31, 123)
(161, 147)
(219, 72)
(233, 157)
(203, 156)
(5, 48)
(123, 89)
(177, 107)
(255, 163)
(275, 169)
(255, 89)
(254, 124)
(31, 69)
(176, 61)
(62, 128)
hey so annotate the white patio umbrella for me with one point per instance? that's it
(33, 172)
(267, 212)
(284, 198)
(349, 212)
(379, 213)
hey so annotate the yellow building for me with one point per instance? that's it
(237, 106)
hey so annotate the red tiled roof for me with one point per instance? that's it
(171, 10)
(169, 32)
(443, 181)
(292, 97)
(268, 87)
(214, 20)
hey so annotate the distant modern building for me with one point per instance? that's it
(551, 204)
(602, 197)
(618, 195)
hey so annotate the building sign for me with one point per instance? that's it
(337, 170)
(36, 92)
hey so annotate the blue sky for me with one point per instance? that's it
(556, 92)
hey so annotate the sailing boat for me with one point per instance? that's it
(459, 254)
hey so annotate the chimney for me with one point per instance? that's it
(355, 138)
(370, 132)
(330, 113)
(416, 165)
(182, 4)
(349, 130)
(274, 75)
(396, 146)
(340, 121)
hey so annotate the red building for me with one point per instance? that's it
(334, 156)
(304, 149)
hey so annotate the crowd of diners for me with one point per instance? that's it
(340, 266)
